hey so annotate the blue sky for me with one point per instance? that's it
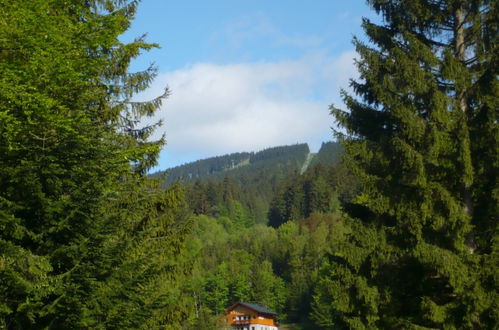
(246, 75)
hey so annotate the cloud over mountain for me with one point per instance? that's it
(216, 109)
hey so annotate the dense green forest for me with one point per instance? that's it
(279, 160)
(275, 264)
(393, 226)
(87, 241)
(246, 189)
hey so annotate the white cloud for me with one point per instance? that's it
(218, 109)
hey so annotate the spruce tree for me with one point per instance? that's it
(422, 136)
(86, 240)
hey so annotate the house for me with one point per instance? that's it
(246, 316)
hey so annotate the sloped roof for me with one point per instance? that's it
(255, 307)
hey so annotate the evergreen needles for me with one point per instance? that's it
(422, 136)
(86, 240)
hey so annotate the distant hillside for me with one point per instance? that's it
(241, 185)
(286, 158)
(330, 153)
(219, 166)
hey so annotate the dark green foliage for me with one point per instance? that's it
(248, 189)
(241, 192)
(86, 240)
(277, 160)
(204, 168)
(329, 154)
(295, 152)
(319, 190)
(422, 136)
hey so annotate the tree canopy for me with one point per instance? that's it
(86, 240)
(422, 137)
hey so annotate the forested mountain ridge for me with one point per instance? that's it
(217, 167)
(245, 183)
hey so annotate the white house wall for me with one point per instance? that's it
(255, 327)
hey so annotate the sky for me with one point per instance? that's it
(245, 75)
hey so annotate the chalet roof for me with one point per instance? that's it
(255, 307)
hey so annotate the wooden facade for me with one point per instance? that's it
(246, 316)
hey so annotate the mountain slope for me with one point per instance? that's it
(241, 185)
(307, 162)
(286, 158)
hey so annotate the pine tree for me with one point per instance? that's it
(216, 295)
(86, 240)
(422, 137)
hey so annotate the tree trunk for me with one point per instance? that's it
(460, 50)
